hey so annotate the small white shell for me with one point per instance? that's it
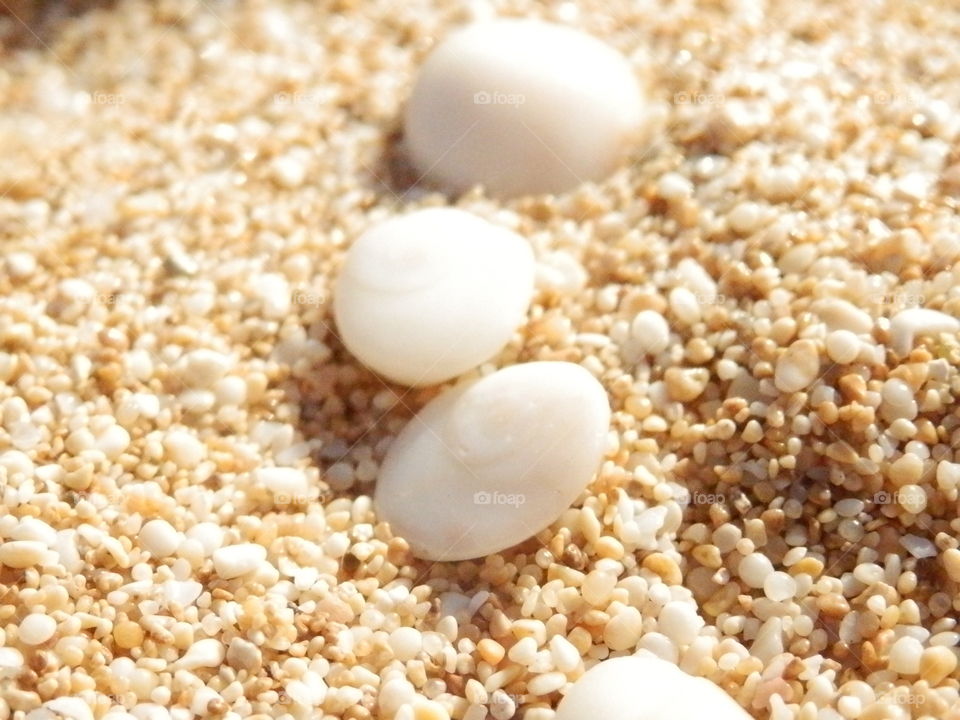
(521, 106)
(645, 688)
(490, 463)
(427, 296)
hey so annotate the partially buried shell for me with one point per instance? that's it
(645, 688)
(491, 463)
(429, 295)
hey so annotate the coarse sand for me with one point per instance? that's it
(187, 453)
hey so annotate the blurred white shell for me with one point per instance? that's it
(521, 106)
(490, 463)
(645, 688)
(427, 296)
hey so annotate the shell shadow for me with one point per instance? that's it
(394, 175)
(32, 23)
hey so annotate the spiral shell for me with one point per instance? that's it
(427, 296)
(490, 463)
(645, 688)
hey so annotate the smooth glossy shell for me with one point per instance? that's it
(645, 688)
(521, 106)
(427, 296)
(488, 464)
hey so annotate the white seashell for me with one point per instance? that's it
(521, 106)
(490, 463)
(427, 296)
(645, 688)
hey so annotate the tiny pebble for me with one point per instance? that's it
(936, 663)
(405, 643)
(905, 656)
(208, 652)
(491, 651)
(842, 346)
(951, 561)
(502, 706)
(523, 651)
(37, 628)
(546, 683)
(754, 569)
(159, 538)
(285, 483)
(74, 708)
(624, 629)
(649, 330)
(779, 586)
(202, 368)
(839, 314)
(21, 554)
(909, 323)
(797, 367)
(236, 560)
(429, 710)
(745, 218)
(680, 622)
(566, 657)
(184, 449)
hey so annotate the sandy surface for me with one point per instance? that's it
(177, 183)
